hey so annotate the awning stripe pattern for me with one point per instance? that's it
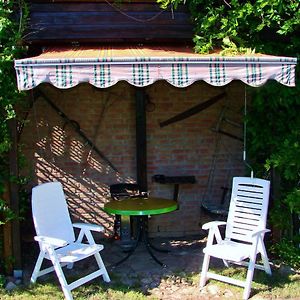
(66, 69)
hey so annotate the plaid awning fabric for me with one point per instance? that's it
(141, 66)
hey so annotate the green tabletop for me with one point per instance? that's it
(140, 206)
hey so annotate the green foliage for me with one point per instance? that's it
(288, 253)
(6, 212)
(260, 25)
(2, 280)
(12, 21)
(274, 147)
(274, 144)
(12, 16)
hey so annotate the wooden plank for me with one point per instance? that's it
(58, 31)
(110, 33)
(127, 27)
(63, 19)
(14, 196)
(100, 22)
(92, 6)
(87, 18)
(78, 22)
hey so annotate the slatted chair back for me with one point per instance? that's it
(248, 208)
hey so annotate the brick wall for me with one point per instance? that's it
(189, 147)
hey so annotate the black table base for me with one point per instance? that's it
(142, 237)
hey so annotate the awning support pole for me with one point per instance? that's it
(245, 135)
(14, 200)
(141, 139)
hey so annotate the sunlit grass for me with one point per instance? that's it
(50, 291)
(38, 291)
(279, 285)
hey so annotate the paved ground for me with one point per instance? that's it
(171, 282)
(178, 280)
(140, 270)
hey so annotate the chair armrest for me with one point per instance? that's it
(88, 226)
(260, 232)
(212, 224)
(51, 241)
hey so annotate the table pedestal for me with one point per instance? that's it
(140, 208)
(142, 236)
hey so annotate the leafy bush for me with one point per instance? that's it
(266, 26)
(12, 21)
(274, 147)
(287, 252)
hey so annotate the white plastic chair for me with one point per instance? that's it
(56, 237)
(244, 234)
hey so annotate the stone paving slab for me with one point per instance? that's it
(183, 256)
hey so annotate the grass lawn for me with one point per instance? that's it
(277, 286)
(50, 291)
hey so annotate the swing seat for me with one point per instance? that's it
(215, 210)
(244, 234)
(56, 238)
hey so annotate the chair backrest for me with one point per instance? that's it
(50, 212)
(248, 207)
(124, 190)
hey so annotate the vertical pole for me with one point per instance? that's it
(7, 235)
(141, 139)
(275, 194)
(14, 199)
(176, 192)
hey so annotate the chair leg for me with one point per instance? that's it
(62, 280)
(205, 266)
(225, 262)
(264, 257)
(35, 273)
(60, 275)
(102, 267)
(249, 278)
(266, 265)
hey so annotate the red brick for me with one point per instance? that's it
(182, 148)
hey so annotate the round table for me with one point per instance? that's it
(141, 208)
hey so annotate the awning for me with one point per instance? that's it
(142, 66)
